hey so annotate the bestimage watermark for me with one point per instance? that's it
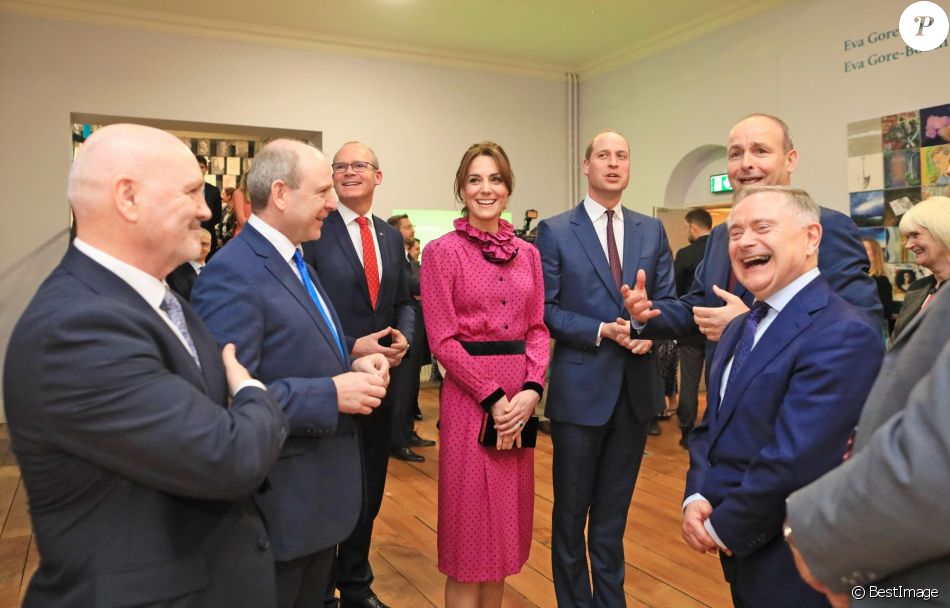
(894, 592)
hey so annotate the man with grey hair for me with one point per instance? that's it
(785, 390)
(139, 443)
(259, 293)
(362, 262)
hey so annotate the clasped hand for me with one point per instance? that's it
(507, 414)
(369, 344)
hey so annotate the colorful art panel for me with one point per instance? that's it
(866, 172)
(867, 208)
(864, 137)
(901, 168)
(900, 131)
(897, 202)
(935, 162)
(936, 125)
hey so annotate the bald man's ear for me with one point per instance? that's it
(123, 197)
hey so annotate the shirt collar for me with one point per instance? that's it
(349, 216)
(783, 296)
(274, 236)
(595, 209)
(151, 289)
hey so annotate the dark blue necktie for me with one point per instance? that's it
(305, 276)
(751, 323)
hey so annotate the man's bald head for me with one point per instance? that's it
(138, 194)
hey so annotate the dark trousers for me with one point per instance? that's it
(352, 574)
(691, 369)
(595, 470)
(768, 577)
(406, 391)
(302, 582)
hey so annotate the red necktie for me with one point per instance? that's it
(370, 269)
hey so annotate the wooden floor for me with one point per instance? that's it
(662, 572)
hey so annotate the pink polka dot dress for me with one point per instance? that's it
(486, 496)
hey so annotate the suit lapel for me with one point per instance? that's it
(789, 323)
(584, 231)
(913, 301)
(632, 244)
(105, 282)
(280, 270)
(727, 346)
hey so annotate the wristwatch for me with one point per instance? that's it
(787, 534)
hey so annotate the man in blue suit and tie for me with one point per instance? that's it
(361, 258)
(605, 388)
(786, 387)
(760, 152)
(260, 294)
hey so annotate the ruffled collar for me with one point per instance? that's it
(497, 247)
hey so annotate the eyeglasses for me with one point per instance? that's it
(359, 166)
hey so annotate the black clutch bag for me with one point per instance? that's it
(488, 436)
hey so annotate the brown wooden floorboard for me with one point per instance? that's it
(661, 571)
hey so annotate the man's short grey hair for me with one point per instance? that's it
(796, 199)
(275, 161)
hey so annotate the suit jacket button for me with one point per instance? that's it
(263, 543)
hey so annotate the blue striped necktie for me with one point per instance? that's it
(749, 325)
(303, 269)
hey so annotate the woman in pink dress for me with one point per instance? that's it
(483, 303)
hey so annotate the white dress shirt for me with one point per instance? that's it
(598, 217)
(151, 289)
(777, 302)
(353, 228)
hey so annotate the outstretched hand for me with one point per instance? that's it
(638, 304)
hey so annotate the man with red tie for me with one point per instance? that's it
(360, 260)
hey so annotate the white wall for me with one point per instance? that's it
(418, 118)
(788, 62)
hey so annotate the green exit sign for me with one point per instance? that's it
(719, 183)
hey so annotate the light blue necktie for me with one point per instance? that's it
(172, 308)
(305, 276)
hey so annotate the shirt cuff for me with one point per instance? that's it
(599, 337)
(637, 325)
(251, 382)
(712, 532)
(693, 498)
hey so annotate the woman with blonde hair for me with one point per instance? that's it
(926, 226)
(483, 306)
(885, 291)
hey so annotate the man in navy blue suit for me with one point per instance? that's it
(786, 388)
(759, 152)
(362, 261)
(605, 388)
(260, 294)
(138, 447)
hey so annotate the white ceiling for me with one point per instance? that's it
(544, 38)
